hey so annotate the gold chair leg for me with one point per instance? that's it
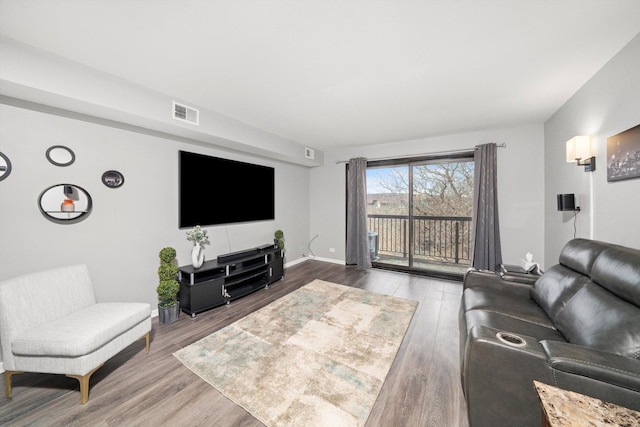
(84, 384)
(146, 337)
(7, 381)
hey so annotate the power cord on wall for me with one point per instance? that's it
(309, 245)
(575, 217)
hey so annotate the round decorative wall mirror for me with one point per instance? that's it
(112, 179)
(60, 155)
(5, 166)
(65, 203)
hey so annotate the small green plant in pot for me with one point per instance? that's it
(168, 288)
(279, 238)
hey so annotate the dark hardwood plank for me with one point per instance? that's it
(139, 389)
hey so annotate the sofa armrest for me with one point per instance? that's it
(491, 280)
(528, 279)
(594, 364)
(497, 378)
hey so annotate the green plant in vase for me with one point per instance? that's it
(199, 238)
(168, 288)
(278, 241)
(279, 238)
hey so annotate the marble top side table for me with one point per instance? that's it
(563, 408)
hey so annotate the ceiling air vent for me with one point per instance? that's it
(185, 114)
(309, 153)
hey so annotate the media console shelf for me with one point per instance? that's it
(229, 277)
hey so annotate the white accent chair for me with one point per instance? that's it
(50, 323)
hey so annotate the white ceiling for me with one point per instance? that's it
(333, 73)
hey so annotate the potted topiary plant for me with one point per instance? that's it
(278, 241)
(279, 238)
(168, 288)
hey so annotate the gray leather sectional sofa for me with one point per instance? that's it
(577, 327)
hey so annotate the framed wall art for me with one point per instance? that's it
(112, 179)
(623, 155)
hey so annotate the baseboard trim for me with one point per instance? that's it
(294, 262)
(331, 260)
(307, 258)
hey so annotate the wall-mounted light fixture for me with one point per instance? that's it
(579, 150)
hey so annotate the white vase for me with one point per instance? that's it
(197, 256)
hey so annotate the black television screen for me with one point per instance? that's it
(214, 191)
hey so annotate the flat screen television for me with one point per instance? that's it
(214, 190)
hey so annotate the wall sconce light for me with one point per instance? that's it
(579, 150)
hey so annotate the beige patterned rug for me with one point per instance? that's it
(316, 357)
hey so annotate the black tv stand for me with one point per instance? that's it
(229, 277)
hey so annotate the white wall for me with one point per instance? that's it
(606, 105)
(121, 238)
(30, 74)
(520, 188)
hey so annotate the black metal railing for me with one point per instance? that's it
(437, 238)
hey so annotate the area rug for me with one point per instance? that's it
(315, 357)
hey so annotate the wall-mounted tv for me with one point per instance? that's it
(214, 190)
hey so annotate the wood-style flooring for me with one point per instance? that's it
(155, 389)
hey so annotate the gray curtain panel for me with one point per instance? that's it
(357, 233)
(487, 252)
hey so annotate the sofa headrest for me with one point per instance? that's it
(596, 318)
(618, 270)
(555, 287)
(579, 254)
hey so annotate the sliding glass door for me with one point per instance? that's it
(388, 214)
(419, 213)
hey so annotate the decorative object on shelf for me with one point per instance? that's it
(197, 255)
(199, 238)
(5, 166)
(623, 155)
(60, 155)
(67, 205)
(279, 239)
(168, 288)
(112, 179)
(75, 207)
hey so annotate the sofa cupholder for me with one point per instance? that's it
(511, 339)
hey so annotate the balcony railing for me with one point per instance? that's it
(436, 238)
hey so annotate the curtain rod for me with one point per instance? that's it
(503, 145)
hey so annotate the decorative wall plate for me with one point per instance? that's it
(65, 203)
(60, 155)
(112, 179)
(5, 166)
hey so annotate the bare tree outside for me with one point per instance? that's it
(442, 196)
(387, 190)
(443, 189)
